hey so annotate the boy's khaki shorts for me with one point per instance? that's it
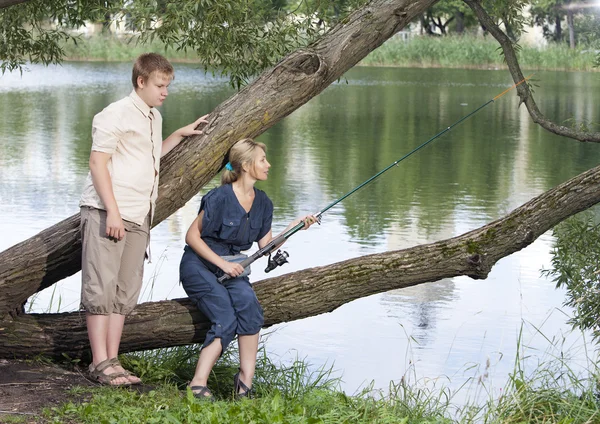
(111, 271)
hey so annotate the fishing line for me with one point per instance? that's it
(281, 257)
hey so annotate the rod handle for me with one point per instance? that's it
(272, 245)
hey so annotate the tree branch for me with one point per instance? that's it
(523, 90)
(318, 290)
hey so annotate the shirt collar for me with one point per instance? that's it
(140, 104)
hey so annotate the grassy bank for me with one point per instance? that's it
(427, 52)
(475, 52)
(120, 49)
(295, 394)
(284, 394)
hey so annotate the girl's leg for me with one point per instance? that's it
(212, 299)
(249, 322)
(207, 360)
(248, 349)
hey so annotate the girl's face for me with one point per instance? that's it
(260, 170)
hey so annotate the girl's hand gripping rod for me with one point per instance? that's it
(280, 258)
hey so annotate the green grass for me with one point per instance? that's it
(14, 419)
(286, 394)
(474, 52)
(550, 393)
(168, 404)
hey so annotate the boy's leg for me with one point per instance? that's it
(100, 259)
(129, 284)
(97, 326)
(115, 326)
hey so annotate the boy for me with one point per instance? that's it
(117, 206)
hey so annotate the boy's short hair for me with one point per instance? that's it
(148, 63)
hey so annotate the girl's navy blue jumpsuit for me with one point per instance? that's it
(227, 229)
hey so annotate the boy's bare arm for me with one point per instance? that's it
(103, 185)
(174, 139)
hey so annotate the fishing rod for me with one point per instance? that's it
(280, 257)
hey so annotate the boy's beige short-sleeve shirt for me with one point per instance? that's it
(131, 132)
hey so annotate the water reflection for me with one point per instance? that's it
(421, 305)
(476, 173)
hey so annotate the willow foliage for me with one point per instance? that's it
(575, 259)
(233, 37)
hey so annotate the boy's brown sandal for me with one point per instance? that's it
(116, 363)
(97, 374)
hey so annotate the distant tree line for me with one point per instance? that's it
(241, 38)
(562, 21)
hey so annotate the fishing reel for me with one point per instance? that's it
(279, 259)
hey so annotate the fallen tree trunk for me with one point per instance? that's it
(318, 290)
(55, 253)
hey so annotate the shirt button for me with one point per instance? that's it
(231, 223)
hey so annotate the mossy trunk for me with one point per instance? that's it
(317, 290)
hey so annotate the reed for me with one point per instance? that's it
(470, 51)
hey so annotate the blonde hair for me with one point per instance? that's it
(148, 63)
(242, 152)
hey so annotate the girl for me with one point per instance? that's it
(230, 219)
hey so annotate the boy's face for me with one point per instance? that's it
(154, 90)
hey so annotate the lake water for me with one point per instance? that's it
(452, 332)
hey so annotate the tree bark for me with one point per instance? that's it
(460, 22)
(571, 25)
(318, 290)
(426, 25)
(55, 253)
(523, 89)
(7, 3)
(442, 25)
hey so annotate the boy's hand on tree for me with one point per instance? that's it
(191, 129)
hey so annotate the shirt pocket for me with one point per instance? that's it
(255, 226)
(229, 228)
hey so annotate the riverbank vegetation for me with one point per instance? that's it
(575, 258)
(458, 51)
(469, 51)
(298, 393)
